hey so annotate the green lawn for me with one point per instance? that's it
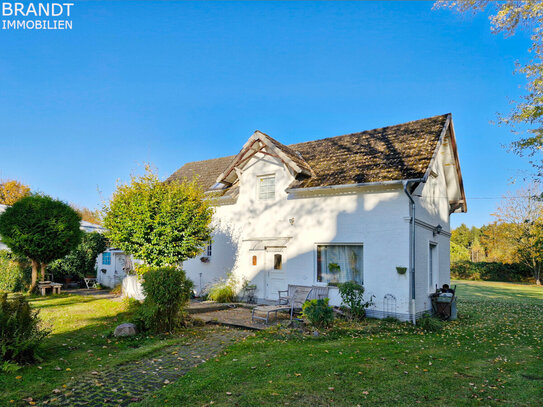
(491, 356)
(80, 342)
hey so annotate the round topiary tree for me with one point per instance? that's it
(40, 228)
(161, 223)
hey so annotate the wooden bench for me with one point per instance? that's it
(317, 293)
(44, 285)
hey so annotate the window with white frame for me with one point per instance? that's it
(209, 250)
(266, 187)
(432, 265)
(339, 263)
(106, 258)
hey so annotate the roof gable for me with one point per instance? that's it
(260, 143)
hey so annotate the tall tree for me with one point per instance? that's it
(523, 211)
(11, 191)
(40, 228)
(161, 223)
(508, 17)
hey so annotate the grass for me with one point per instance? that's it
(80, 342)
(491, 356)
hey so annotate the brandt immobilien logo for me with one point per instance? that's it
(36, 16)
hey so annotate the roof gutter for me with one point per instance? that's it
(358, 185)
(412, 218)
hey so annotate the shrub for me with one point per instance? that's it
(166, 291)
(490, 271)
(81, 262)
(20, 333)
(318, 312)
(223, 291)
(14, 272)
(352, 295)
(429, 323)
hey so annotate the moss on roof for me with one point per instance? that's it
(399, 152)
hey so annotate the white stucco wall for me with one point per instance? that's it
(374, 218)
(114, 272)
(432, 208)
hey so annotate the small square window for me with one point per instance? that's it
(277, 262)
(106, 258)
(266, 187)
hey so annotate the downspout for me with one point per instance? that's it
(411, 249)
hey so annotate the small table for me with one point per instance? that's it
(44, 285)
(90, 282)
(267, 309)
(249, 294)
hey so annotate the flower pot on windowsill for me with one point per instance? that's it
(401, 270)
(204, 259)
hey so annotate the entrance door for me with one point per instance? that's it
(276, 277)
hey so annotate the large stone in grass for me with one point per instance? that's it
(125, 330)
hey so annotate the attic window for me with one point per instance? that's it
(266, 187)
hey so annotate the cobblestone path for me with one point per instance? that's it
(134, 380)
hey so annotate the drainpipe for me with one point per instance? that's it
(411, 249)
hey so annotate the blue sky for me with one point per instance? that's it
(169, 82)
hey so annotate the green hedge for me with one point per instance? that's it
(14, 274)
(490, 271)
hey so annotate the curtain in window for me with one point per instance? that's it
(339, 263)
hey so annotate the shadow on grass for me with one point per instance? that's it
(39, 302)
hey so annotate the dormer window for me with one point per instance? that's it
(266, 187)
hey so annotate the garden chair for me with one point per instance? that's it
(317, 293)
(294, 302)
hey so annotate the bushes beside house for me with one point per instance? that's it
(224, 290)
(166, 290)
(14, 272)
(490, 271)
(81, 261)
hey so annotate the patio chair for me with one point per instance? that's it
(295, 302)
(317, 293)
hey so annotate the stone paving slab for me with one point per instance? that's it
(133, 381)
(240, 318)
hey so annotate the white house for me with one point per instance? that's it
(365, 206)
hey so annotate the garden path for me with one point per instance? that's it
(135, 380)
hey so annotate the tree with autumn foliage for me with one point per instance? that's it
(522, 211)
(508, 17)
(88, 215)
(11, 191)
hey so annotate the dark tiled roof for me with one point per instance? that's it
(207, 171)
(399, 152)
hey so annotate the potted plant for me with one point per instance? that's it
(334, 269)
(401, 269)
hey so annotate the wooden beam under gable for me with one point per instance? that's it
(264, 145)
